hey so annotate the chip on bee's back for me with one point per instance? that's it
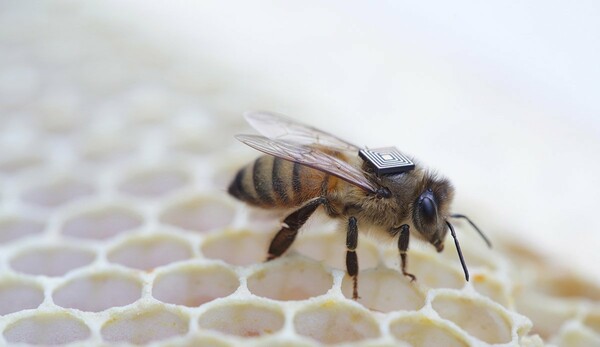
(387, 160)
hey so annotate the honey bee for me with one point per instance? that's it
(377, 190)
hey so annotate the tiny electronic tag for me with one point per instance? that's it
(387, 160)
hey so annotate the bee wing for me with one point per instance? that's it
(309, 156)
(279, 127)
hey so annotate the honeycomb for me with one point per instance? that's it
(115, 226)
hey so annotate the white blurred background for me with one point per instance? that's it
(501, 97)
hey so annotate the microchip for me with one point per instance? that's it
(387, 160)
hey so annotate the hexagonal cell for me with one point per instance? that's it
(592, 321)
(197, 339)
(149, 103)
(572, 334)
(247, 318)
(224, 174)
(149, 252)
(194, 285)
(144, 326)
(490, 287)
(47, 329)
(51, 260)
(58, 110)
(154, 183)
(57, 192)
(267, 221)
(336, 322)
(430, 269)
(193, 132)
(199, 214)
(548, 314)
(102, 222)
(479, 319)
(196, 144)
(290, 278)
(293, 340)
(385, 290)
(20, 163)
(21, 295)
(426, 332)
(102, 149)
(237, 247)
(521, 253)
(19, 82)
(16, 227)
(101, 75)
(99, 291)
(330, 248)
(563, 283)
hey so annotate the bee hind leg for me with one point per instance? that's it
(291, 224)
(351, 258)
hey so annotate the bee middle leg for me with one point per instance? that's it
(403, 247)
(291, 224)
(351, 258)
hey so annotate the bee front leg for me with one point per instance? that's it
(351, 258)
(286, 236)
(403, 247)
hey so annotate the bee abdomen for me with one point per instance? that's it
(267, 182)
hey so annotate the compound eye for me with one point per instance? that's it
(428, 207)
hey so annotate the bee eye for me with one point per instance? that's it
(429, 209)
(428, 206)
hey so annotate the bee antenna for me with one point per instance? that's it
(487, 241)
(460, 255)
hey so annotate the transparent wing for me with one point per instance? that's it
(311, 157)
(279, 127)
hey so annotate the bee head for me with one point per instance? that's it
(431, 210)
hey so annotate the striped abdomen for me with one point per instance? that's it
(273, 182)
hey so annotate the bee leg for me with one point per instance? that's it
(286, 236)
(351, 258)
(403, 247)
